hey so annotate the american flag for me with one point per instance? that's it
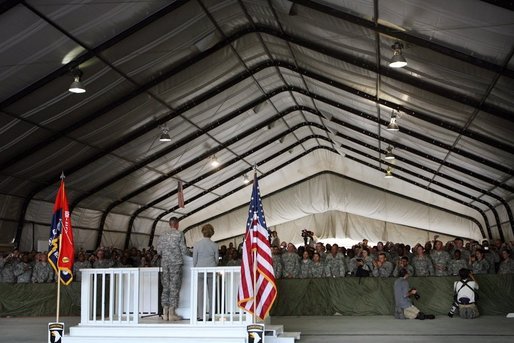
(256, 297)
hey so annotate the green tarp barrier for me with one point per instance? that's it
(298, 297)
(353, 296)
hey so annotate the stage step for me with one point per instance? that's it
(157, 333)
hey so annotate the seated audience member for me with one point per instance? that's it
(23, 270)
(506, 264)
(305, 265)
(478, 263)
(290, 263)
(465, 295)
(456, 264)
(404, 309)
(334, 263)
(403, 263)
(440, 259)
(317, 267)
(382, 267)
(42, 271)
(422, 263)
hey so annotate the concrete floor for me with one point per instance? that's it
(376, 329)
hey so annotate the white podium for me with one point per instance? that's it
(184, 303)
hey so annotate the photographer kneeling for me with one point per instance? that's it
(404, 309)
(464, 292)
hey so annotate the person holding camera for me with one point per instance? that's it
(465, 296)
(404, 309)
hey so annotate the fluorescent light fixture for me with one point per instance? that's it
(389, 173)
(389, 155)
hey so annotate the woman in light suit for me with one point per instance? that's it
(205, 254)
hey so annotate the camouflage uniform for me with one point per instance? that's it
(277, 265)
(506, 266)
(422, 266)
(233, 263)
(77, 266)
(397, 269)
(440, 259)
(305, 268)
(455, 265)
(480, 267)
(23, 272)
(104, 263)
(172, 246)
(464, 253)
(334, 266)
(42, 273)
(291, 264)
(317, 270)
(490, 257)
(8, 272)
(384, 271)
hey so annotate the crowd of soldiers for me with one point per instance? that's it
(314, 260)
(33, 267)
(318, 260)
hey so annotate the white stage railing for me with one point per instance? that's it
(118, 296)
(214, 297)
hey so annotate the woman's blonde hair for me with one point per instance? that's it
(208, 230)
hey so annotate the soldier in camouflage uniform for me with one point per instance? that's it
(305, 265)
(456, 264)
(290, 263)
(172, 247)
(23, 270)
(320, 249)
(422, 263)
(479, 264)
(42, 271)
(403, 263)
(10, 262)
(81, 263)
(440, 259)
(507, 264)
(277, 261)
(101, 261)
(334, 263)
(317, 267)
(458, 244)
(382, 267)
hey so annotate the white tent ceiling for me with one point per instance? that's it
(301, 89)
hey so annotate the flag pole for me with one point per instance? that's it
(58, 305)
(58, 283)
(254, 253)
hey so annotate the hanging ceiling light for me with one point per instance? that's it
(389, 173)
(165, 137)
(246, 180)
(389, 155)
(392, 126)
(77, 86)
(214, 161)
(397, 61)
